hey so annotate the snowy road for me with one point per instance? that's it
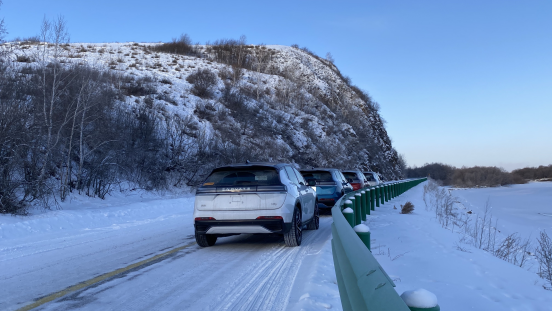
(246, 272)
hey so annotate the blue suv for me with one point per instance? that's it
(330, 186)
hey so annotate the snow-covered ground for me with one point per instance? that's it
(48, 252)
(525, 209)
(51, 251)
(417, 252)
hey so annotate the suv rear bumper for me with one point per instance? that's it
(242, 226)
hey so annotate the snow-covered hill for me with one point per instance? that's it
(292, 106)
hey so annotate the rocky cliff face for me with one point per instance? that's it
(234, 102)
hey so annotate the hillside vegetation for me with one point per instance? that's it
(97, 117)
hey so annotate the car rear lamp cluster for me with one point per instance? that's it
(204, 218)
(269, 217)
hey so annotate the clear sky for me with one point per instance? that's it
(459, 82)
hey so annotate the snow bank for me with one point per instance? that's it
(420, 298)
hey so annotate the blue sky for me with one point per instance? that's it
(459, 82)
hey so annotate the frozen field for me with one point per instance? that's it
(525, 209)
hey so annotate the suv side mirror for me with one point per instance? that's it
(311, 183)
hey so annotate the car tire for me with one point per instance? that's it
(205, 240)
(314, 224)
(292, 238)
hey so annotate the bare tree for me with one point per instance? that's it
(329, 57)
(52, 82)
(260, 59)
(3, 31)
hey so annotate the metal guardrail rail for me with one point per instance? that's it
(362, 282)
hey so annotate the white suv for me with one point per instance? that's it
(372, 178)
(255, 198)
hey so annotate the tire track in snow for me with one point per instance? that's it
(272, 280)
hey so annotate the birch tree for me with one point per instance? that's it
(51, 83)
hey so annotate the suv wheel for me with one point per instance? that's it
(314, 224)
(293, 237)
(205, 240)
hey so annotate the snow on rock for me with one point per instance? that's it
(419, 298)
(361, 228)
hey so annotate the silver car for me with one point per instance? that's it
(255, 198)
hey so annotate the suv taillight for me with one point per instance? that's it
(204, 218)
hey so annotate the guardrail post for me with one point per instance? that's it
(382, 198)
(377, 195)
(371, 199)
(358, 216)
(364, 234)
(363, 205)
(348, 213)
(352, 199)
(367, 201)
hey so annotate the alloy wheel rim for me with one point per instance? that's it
(298, 226)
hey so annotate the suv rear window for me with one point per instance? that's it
(352, 176)
(317, 175)
(369, 177)
(247, 176)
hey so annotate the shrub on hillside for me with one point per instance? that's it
(203, 80)
(138, 87)
(23, 59)
(407, 208)
(183, 46)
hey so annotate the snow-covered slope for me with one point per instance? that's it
(293, 106)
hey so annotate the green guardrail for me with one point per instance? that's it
(362, 282)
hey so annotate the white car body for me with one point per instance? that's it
(228, 210)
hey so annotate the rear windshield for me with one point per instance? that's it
(247, 176)
(351, 175)
(369, 177)
(317, 175)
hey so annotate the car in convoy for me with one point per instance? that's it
(255, 197)
(356, 179)
(372, 178)
(330, 186)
